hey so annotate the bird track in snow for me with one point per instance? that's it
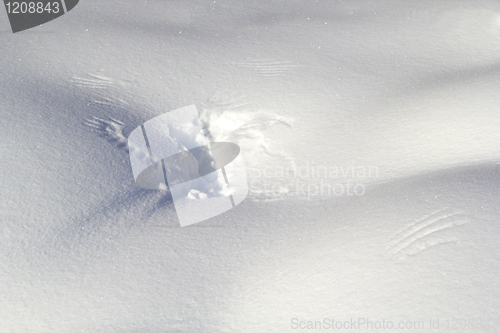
(229, 116)
(111, 129)
(267, 67)
(425, 233)
(106, 90)
(226, 116)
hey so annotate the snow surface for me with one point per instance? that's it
(395, 100)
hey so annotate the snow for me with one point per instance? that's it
(408, 90)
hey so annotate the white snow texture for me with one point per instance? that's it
(370, 135)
